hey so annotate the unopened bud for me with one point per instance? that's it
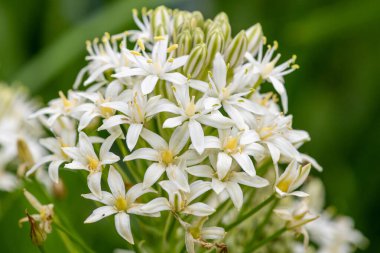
(196, 19)
(254, 35)
(215, 43)
(196, 61)
(160, 20)
(198, 36)
(222, 20)
(236, 50)
(207, 25)
(184, 43)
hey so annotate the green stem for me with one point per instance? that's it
(136, 248)
(250, 213)
(268, 239)
(265, 220)
(123, 150)
(41, 249)
(168, 225)
(73, 238)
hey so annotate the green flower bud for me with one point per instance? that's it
(198, 36)
(254, 35)
(196, 61)
(222, 20)
(196, 19)
(160, 20)
(184, 43)
(236, 50)
(215, 43)
(207, 25)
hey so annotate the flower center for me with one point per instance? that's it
(195, 232)
(121, 204)
(66, 103)
(190, 108)
(93, 163)
(225, 93)
(167, 156)
(284, 185)
(231, 144)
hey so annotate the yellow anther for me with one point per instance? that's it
(135, 12)
(88, 43)
(190, 108)
(141, 45)
(93, 163)
(158, 38)
(65, 101)
(135, 53)
(264, 39)
(171, 60)
(172, 48)
(167, 156)
(275, 45)
(294, 58)
(295, 66)
(121, 204)
(149, 61)
(232, 144)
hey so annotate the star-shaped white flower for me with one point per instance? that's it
(236, 145)
(180, 201)
(120, 203)
(155, 66)
(164, 156)
(135, 112)
(204, 111)
(229, 183)
(85, 158)
(265, 67)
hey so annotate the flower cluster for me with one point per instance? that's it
(174, 116)
(19, 147)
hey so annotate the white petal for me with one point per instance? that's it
(116, 183)
(216, 120)
(100, 213)
(152, 174)
(199, 209)
(197, 188)
(154, 140)
(279, 87)
(197, 136)
(113, 121)
(213, 233)
(136, 191)
(235, 193)
(176, 63)
(148, 84)
(133, 134)
(175, 78)
(143, 153)
(123, 226)
(179, 138)
(300, 194)
(200, 171)
(189, 241)
(178, 177)
(217, 185)
(244, 178)
(85, 145)
(93, 182)
(199, 85)
(156, 205)
(174, 122)
(219, 72)
(53, 170)
(223, 164)
(245, 163)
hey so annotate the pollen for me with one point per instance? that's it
(231, 145)
(121, 204)
(93, 163)
(167, 156)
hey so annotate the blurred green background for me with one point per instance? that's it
(334, 95)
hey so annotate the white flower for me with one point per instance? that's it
(231, 95)
(57, 156)
(165, 157)
(120, 203)
(264, 66)
(180, 201)
(236, 145)
(197, 233)
(229, 183)
(145, 32)
(297, 218)
(136, 112)
(63, 106)
(335, 235)
(85, 158)
(292, 178)
(104, 59)
(155, 67)
(45, 213)
(8, 181)
(204, 111)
